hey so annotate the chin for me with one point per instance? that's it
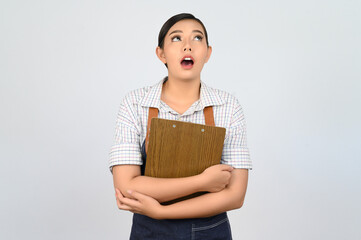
(190, 78)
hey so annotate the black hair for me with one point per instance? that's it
(173, 20)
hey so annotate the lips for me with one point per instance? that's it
(187, 61)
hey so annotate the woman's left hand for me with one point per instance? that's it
(141, 204)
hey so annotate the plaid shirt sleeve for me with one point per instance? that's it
(235, 150)
(126, 146)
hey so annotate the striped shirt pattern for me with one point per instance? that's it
(132, 119)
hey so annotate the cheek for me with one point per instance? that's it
(203, 55)
(171, 56)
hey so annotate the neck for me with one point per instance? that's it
(181, 90)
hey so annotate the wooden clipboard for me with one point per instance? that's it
(182, 149)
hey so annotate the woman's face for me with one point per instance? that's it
(186, 38)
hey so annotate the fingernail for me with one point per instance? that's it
(129, 191)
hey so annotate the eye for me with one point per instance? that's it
(175, 39)
(198, 37)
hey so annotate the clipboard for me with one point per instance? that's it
(182, 149)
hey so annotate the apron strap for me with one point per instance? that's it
(153, 112)
(208, 116)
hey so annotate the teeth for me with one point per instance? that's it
(187, 58)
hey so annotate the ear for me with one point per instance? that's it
(160, 54)
(209, 52)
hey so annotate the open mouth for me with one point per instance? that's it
(187, 61)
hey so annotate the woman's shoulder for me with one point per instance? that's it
(134, 96)
(228, 97)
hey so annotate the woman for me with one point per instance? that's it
(183, 48)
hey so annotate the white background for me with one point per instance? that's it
(294, 66)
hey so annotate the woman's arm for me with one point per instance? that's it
(209, 204)
(213, 179)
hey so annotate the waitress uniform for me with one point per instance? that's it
(210, 228)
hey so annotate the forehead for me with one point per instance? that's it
(186, 25)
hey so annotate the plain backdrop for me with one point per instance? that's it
(293, 65)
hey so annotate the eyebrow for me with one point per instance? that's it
(175, 31)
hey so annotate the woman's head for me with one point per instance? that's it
(173, 20)
(183, 46)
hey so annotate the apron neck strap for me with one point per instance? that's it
(208, 116)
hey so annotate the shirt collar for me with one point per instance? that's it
(208, 96)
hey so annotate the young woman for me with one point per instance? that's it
(183, 48)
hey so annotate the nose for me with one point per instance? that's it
(187, 44)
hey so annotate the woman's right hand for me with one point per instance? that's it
(216, 177)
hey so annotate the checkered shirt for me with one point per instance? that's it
(132, 119)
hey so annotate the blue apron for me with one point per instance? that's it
(209, 228)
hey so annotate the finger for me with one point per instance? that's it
(118, 192)
(123, 206)
(118, 196)
(136, 195)
(122, 197)
(121, 200)
(117, 199)
(130, 202)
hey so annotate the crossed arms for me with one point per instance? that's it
(226, 186)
